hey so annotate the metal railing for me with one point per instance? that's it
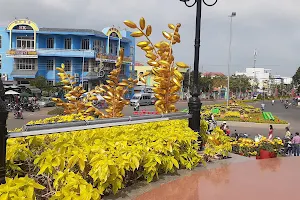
(44, 129)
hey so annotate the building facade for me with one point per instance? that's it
(257, 76)
(27, 51)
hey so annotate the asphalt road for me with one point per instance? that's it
(292, 115)
(128, 111)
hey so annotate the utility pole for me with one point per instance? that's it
(254, 66)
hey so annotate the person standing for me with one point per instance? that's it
(287, 133)
(296, 144)
(271, 130)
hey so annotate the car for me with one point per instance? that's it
(46, 102)
(153, 100)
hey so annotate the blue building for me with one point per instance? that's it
(27, 51)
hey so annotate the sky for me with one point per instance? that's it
(271, 27)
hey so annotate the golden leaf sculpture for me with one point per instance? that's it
(75, 103)
(166, 74)
(114, 91)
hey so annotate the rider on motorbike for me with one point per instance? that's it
(273, 101)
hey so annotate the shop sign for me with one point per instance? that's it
(22, 53)
(111, 58)
(113, 32)
(22, 24)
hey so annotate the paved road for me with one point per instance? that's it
(292, 115)
(128, 111)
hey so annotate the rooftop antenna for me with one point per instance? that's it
(27, 18)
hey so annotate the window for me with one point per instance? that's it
(85, 44)
(122, 72)
(98, 46)
(86, 66)
(68, 42)
(25, 64)
(50, 65)
(50, 83)
(0, 41)
(131, 51)
(25, 42)
(50, 43)
(68, 65)
(113, 49)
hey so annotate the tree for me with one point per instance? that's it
(219, 81)
(296, 79)
(240, 83)
(205, 82)
(39, 82)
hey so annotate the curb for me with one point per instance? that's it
(254, 125)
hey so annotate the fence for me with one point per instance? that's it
(44, 129)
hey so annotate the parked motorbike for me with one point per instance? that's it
(18, 114)
(239, 135)
(27, 107)
(36, 106)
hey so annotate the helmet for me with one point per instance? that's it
(224, 122)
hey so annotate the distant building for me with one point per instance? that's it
(28, 51)
(263, 77)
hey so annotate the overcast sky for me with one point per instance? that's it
(270, 26)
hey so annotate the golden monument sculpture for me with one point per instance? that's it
(167, 76)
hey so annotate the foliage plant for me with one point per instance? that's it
(114, 93)
(218, 144)
(167, 76)
(249, 147)
(91, 163)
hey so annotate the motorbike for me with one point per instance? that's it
(36, 106)
(240, 135)
(18, 114)
(27, 107)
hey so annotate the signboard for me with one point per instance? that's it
(22, 24)
(22, 27)
(113, 32)
(111, 58)
(21, 54)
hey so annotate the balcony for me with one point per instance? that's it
(112, 58)
(66, 53)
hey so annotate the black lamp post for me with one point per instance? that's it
(195, 102)
(3, 133)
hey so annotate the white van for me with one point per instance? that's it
(144, 99)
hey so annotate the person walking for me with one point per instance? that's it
(271, 130)
(296, 144)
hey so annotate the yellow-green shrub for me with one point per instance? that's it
(218, 144)
(106, 158)
(19, 188)
(233, 114)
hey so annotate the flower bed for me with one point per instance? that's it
(89, 164)
(238, 112)
(248, 147)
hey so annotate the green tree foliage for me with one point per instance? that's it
(205, 82)
(296, 79)
(39, 82)
(239, 83)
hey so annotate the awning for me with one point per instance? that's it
(23, 73)
(35, 90)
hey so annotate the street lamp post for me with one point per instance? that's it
(195, 102)
(233, 14)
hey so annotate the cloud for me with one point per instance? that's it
(270, 26)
